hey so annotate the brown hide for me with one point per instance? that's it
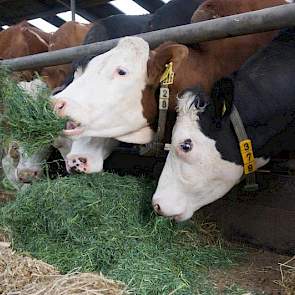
(21, 40)
(68, 35)
(206, 62)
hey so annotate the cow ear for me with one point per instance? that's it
(164, 54)
(222, 95)
(207, 10)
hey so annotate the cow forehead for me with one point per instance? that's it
(129, 51)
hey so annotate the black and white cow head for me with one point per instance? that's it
(203, 163)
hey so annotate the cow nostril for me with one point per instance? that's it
(157, 208)
(60, 105)
(83, 160)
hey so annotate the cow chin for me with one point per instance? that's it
(141, 136)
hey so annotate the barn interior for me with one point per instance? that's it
(12, 12)
(246, 238)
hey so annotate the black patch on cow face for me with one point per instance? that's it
(216, 125)
(222, 96)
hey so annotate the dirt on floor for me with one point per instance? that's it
(261, 272)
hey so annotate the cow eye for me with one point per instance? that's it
(187, 145)
(14, 152)
(122, 72)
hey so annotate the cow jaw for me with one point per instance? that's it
(141, 136)
(88, 154)
(106, 98)
(192, 178)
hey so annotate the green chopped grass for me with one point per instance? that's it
(31, 122)
(104, 222)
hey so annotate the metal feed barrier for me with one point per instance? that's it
(241, 24)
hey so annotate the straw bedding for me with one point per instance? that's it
(23, 275)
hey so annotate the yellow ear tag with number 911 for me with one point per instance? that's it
(168, 76)
(247, 156)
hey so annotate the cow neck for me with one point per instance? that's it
(267, 126)
(268, 132)
(197, 69)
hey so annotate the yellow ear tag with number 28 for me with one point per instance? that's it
(168, 76)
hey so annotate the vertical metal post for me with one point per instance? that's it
(73, 9)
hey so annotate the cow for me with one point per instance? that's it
(174, 13)
(17, 165)
(69, 34)
(116, 26)
(20, 40)
(87, 154)
(116, 97)
(204, 161)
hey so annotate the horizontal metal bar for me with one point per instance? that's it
(241, 24)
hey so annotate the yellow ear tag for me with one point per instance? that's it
(168, 76)
(248, 156)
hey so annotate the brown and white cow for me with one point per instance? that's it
(69, 34)
(116, 94)
(20, 40)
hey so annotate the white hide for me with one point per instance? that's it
(23, 168)
(191, 180)
(104, 100)
(88, 154)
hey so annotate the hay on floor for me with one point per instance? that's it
(104, 223)
(23, 275)
(287, 270)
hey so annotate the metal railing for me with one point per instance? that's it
(241, 24)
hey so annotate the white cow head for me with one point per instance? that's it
(20, 168)
(195, 173)
(17, 165)
(105, 101)
(88, 153)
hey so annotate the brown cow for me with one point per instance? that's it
(119, 79)
(68, 35)
(20, 40)
(208, 61)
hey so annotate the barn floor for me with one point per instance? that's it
(259, 273)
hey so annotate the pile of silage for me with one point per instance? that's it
(104, 223)
(28, 120)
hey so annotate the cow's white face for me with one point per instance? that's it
(105, 100)
(21, 168)
(195, 173)
(88, 154)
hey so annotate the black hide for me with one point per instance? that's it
(174, 13)
(264, 94)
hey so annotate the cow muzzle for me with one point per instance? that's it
(178, 217)
(72, 128)
(29, 175)
(59, 106)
